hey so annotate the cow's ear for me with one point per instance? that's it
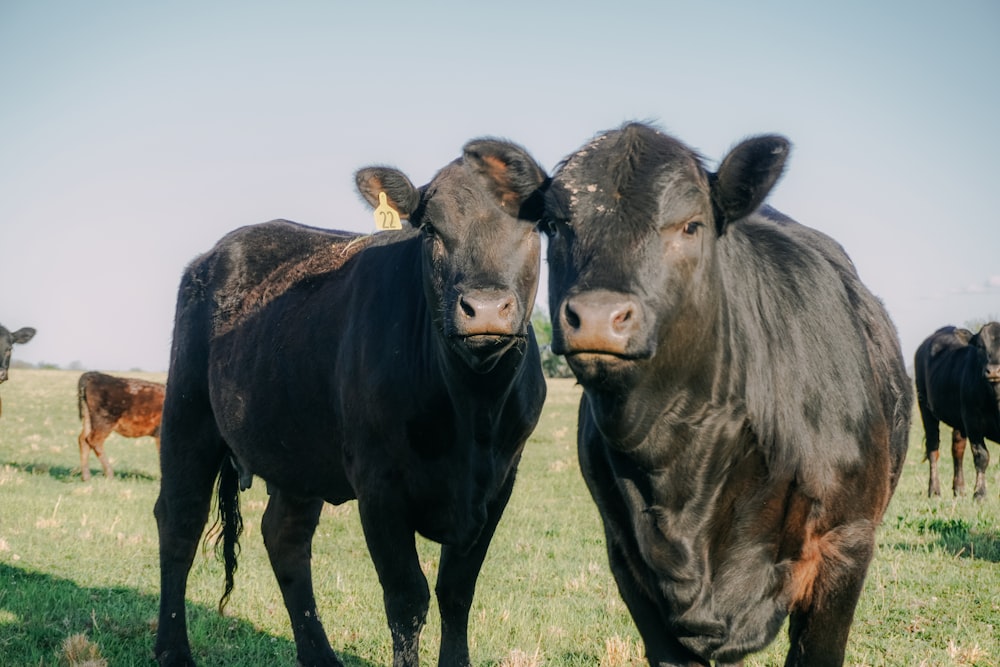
(399, 192)
(746, 176)
(514, 177)
(987, 339)
(23, 335)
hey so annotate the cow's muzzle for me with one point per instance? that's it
(992, 373)
(482, 352)
(600, 322)
(485, 313)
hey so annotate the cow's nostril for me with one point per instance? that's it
(571, 317)
(468, 309)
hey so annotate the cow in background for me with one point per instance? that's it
(958, 383)
(746, 407)
(126, 406)
(7, 341)
(398, 368)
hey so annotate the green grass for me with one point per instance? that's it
(82, 558)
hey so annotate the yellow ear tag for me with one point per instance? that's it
(386, 216)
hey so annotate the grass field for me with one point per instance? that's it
(80, 558)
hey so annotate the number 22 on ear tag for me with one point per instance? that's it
(386, 216)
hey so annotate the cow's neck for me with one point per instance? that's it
(680, 384)
(468, 387)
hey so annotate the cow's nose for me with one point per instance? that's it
(993, 372)
(486, 313)
(600, 321)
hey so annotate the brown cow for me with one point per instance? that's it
(127, 406)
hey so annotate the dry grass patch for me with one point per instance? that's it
(619, 652)
(78, 651)
(519, 658)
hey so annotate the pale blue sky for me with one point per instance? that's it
(134, 134)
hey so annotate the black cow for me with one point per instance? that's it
(7, 341)
(399, 369)
(746, 408)
(958, 383)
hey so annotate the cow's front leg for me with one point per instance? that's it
(934, 483)
(957, 457)
(393, 550)
(456, 584)
(932, 433)
(981, 457)
(818, 633)
(288, 527)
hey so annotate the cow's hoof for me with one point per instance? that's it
(175, 659)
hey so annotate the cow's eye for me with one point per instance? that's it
(428, 229)
(691, 228)
(549, 227)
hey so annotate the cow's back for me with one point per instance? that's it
(129, 406)
(244, 272)
(939, 367)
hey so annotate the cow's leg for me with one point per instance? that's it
(393, 549)
(933, 437)
(981, 457)
(662, 648)
(84, 455)
(189, 463)
(288, 527)
(102, 456)
(93, 439)
(957, 456)
(456, 584)
(818, 633)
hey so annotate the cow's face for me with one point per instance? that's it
(633, 220)
(478, 222)
(7, 341)
(987, 343)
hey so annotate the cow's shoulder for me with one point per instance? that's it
(252, 266)
(948, 339)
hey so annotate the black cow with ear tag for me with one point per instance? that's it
(399, 369)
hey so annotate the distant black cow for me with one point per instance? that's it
(399, 369)
(958, 383)
(7, 342)
(127, 406)
(746, 408)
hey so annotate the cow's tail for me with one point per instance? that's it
(81, 394)
(229, 525)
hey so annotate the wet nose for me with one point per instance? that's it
(486, 313)
(993, 372)
(599, 321)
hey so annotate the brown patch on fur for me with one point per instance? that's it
(820, 555)
(130, 407)
(498, 173)
(239, 308)
(370, 190)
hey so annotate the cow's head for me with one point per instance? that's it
(987, 344)
(7, 342)
(478, 221)
(633, 220)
